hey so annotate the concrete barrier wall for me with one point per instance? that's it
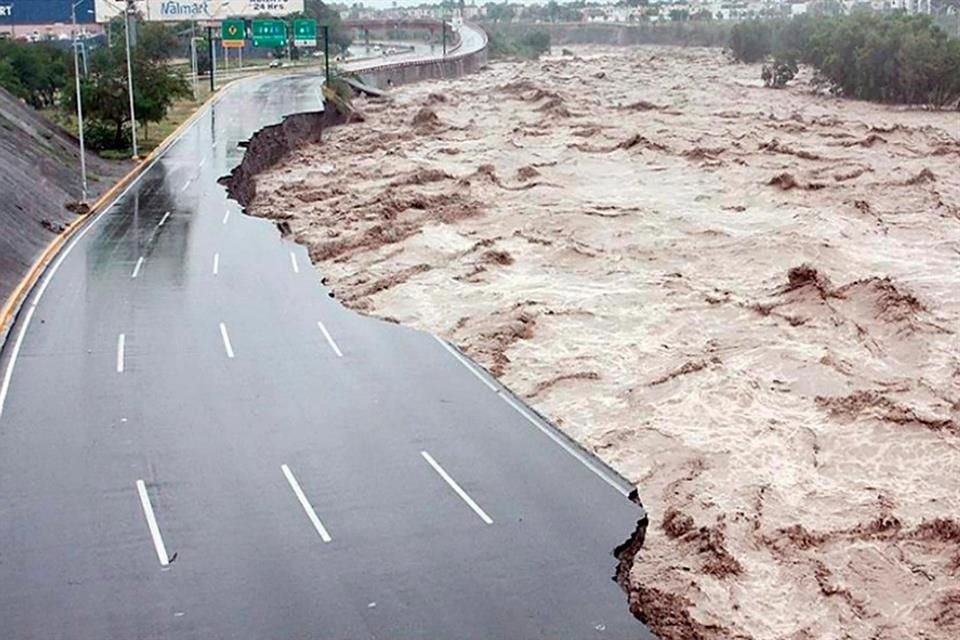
(456, 64)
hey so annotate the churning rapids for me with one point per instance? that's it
(744, 299)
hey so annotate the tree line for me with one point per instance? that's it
(42, 74)
(898, 58)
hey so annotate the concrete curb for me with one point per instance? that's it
(15, 300)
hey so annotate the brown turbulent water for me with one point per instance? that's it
(744, 299)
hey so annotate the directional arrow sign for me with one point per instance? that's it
(232, 29)
(305, 33)
(232, 32)
(269, 34)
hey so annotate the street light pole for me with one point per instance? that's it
(76, 76)
(133, 114)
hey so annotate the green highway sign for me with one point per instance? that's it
(269, 33)
(305, 33)
(232, 29)
(232, 32)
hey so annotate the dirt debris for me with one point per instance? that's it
(792, 458)
(641, 105)
(426, 121)
(882, 407)
(775, 146)
(923, 177)
(688, 367)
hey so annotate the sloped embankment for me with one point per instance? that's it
(39, 179)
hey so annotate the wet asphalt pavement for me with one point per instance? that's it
(368, 484)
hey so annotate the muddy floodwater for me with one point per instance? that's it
(746, 300)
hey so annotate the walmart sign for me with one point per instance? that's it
(204, 10)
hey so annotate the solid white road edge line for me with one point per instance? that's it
(13, 357)
(333, 345)
(163, 220)
(216, 263)
(469, 366)
(136, 269)
(226, 216)
(152, 524)
(186, 185)
(293, 262)
(226, 340)
(456, 487)
(305, 504)
(589, 464)
(121, 346)
(584, 460)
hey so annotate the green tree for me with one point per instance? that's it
(499, 12)
(778, 74)
(9, 78)
(324, 14)
(105, 96)
(35, 72)
(158, 41)
(751, 41)
(535, 43)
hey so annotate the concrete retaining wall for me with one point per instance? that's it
(454, 65)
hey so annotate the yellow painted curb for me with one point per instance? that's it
(19, 294)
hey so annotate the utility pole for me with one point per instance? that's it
(211, 53)
(193, 56)
(128, 14)
(443, 32)
(326, 55)
(76, 76)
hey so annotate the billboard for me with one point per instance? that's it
(40, 12)
(205, 10)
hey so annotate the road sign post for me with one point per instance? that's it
(326, 55)
(211, 56)
(305, 33)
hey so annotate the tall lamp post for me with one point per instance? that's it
(76, 76)
(127, 14)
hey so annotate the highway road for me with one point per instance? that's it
(196, 441)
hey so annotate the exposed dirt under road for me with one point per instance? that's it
(744, 299)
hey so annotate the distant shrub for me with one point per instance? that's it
(517, 41)
(779, 73)
(894, 58)
(101, 136)
(751, 41)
